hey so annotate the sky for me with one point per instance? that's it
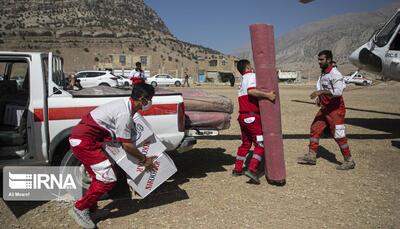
(224, 24)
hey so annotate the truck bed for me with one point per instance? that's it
(202, 110)
(104, 91)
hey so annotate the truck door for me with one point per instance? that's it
(47, 75)
(55, 81)
(14, 103)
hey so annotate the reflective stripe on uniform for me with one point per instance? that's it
(74, 142)
(315, 140)
(239, 158)
(104, 172)
(340, 131)
(344, 146)
(257, 157)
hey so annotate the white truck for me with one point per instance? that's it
(357, 78)
(288, 76)
(36, 119)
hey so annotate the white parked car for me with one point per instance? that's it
(123, 81)
(97, 78)
(358, 79)
(164, 79)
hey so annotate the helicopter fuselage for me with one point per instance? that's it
(381, 54)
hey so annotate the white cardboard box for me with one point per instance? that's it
(148, 181)
(143, 182)
(142, 129)
(150, 147)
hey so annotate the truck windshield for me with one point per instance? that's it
(384, 35)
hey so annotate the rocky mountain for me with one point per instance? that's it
(89, 18)
(342, 34)
(86, 32)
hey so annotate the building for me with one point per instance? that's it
(211, 69)
(124, 61)
(217, 69)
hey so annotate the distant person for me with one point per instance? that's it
(250, 122)
(328, 97)
(137, 74)
(232, 80)
(73, 82)
(186, 80)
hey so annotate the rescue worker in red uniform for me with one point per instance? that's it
(111, 121)
(137, 74)
(328, 97)
(250, 122)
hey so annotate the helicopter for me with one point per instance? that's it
(381, 54)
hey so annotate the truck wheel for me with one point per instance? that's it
(154, 84)
(365, 83)
(178, 84)
(105, 84)
(126, 84)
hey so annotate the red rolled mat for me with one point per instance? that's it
(263, 46)
(209, 103)
(214, 120)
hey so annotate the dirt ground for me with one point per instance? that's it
(204, 195)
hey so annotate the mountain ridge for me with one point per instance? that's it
(87, 32)
(297, 49)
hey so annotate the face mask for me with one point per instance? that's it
(148, 105)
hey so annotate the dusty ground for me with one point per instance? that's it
(204, 195)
